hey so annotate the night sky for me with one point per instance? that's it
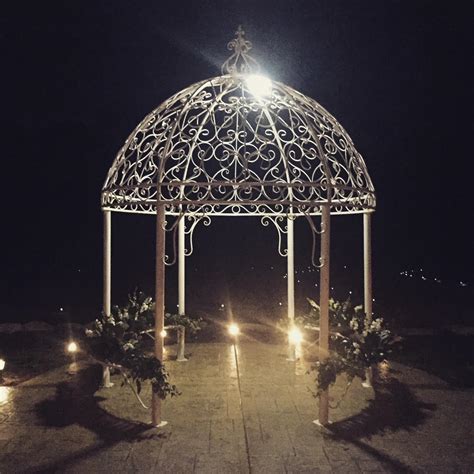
(77, 77)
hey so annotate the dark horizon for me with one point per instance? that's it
(78, 78)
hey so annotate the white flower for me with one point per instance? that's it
(354, 325)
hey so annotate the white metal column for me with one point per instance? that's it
(369, 372)
(291, 283)
(180, 357)
(107, 262)
(367, 265)
(181, 267)
(160, 303)
(324, 306)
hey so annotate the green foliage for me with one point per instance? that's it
(340, 314)
(192, 325)
(357, 342)
(328, 370)
(121, 338)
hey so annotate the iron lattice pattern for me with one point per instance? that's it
(217, 148)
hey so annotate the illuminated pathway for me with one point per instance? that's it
(57, 423)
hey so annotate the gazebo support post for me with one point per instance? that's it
(160, 304)
(291, 283)
(106, 305)
(181, 287)
(368, 283)
(107, 285)
(324, 307)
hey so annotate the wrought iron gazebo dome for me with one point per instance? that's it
(239, 144)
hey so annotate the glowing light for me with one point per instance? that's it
(61, 309)
(163, 333)
(295, 336)
(259, 86)
(233, 329)
(72, 347)
(4, 395)
(2, 364)
(222, 305)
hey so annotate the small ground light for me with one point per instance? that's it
(72, 347)
(2, 367)
(233, 329)
(163, 333)
(295, 336)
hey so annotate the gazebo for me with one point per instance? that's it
(239, 145)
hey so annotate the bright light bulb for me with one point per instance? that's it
(2, 364)
(295, 336)
(259, 86)
(163, 333)
(234, 329)
(72, 347)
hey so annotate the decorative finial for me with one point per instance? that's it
(240, 62)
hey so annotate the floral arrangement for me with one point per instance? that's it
(120, 340)
(357, 342)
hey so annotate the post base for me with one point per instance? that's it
(369, 377)
(161, 424)
(318, 423)
(107, 385)
(182, 359)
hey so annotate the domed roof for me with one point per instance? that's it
(239, 144)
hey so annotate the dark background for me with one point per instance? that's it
(77, 77)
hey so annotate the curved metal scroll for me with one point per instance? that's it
(282, 229)
(189, 226)
(190, 223)
(280, 224)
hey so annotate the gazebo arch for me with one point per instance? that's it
(239, 145)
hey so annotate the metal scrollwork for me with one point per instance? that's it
(192, 221)
(280, 223)
(219, 148)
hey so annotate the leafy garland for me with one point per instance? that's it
(358, 342)
(120, 339)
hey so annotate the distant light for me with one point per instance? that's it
(61, 309)
(233, 329)
(295, 336)
(163, 333)
(280, 303)
(222, 305)
(72, 347)
(2, 364)
(259, 86)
